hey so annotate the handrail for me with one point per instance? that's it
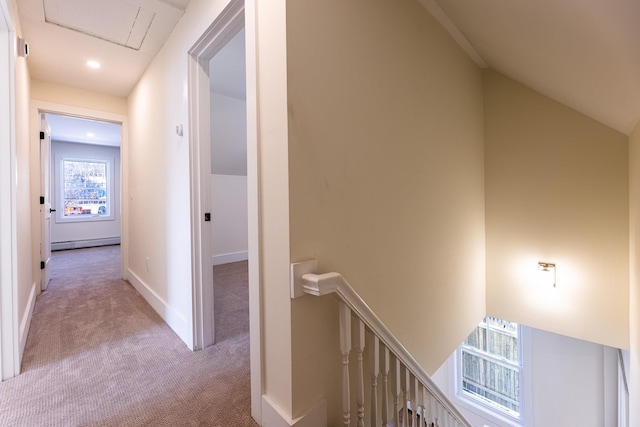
(304, 282)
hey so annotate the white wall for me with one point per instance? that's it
(229, 178)
(81, 231)
(570, 383)
(228, 135)
(229, 218)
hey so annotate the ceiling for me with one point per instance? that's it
(227, 74)
(122, 35)
(75, 129)
(582, 53)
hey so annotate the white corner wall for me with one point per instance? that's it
(386, 165)
(229, 218)
(228, 135)
(556, 191)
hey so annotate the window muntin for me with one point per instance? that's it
(490, 367)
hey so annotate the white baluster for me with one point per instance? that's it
(374, 370)
(407, 397)
(345, 349)
(359, 350)
(397, 392)
(385, 387)
(424, 398)
(418, 398)
(432, 409)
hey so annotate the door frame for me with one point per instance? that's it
(45, 204)
(38, 107)
(9, 324)
(224, 27)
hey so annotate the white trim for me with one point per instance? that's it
(253, 211)
(9, 326)
(436, 11)
(89, 243)
(497, 419)
(273, 416)
(223, 28)
(475, 403)
(229, 258)
(199, 122)
(58, 184)
(25, 324)
(171, 316)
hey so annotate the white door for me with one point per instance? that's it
(45, 202)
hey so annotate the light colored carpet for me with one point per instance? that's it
(98, 355)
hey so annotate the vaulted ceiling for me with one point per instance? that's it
(582, 53)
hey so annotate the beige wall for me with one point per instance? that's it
(386, 177)
(556, 191)
(60, 94)
(27, 265)
(634, 255)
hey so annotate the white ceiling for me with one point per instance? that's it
(74, 129)
(227, 74)
(582, 53)
(123, 35)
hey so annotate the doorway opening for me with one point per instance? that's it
(228, 124)
(205, 157)
(88, 207)
(81, 184)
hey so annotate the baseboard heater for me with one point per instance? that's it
(77, 244)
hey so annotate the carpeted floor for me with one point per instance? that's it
(98, 355)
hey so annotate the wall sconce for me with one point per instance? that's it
(547, 274)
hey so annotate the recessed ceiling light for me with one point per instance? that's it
(90, 134)
(93, 64)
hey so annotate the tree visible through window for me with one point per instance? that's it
(85, 188)
(490, 366)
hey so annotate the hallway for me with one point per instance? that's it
(98, 355)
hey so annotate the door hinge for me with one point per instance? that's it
(42, 200)
(41, 265)
(41, 135)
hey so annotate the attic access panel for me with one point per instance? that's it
(117, 21)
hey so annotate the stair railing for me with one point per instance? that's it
(413, 396)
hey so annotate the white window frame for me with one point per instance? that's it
(486, 409)
(59, 188)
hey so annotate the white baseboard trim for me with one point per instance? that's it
(25, 322)
(173, 318)
(273, 416)
(77, 244)
(229, 258)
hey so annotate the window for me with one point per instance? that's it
(490, 367)
(85, 189)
